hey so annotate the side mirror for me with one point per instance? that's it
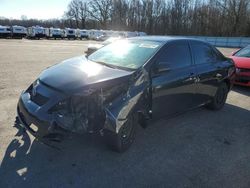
(86, 55)
(163, 67)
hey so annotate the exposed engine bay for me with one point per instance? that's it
(81, 114)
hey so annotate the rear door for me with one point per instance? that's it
(209, 68)
(174, 89)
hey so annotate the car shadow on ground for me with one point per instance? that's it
(197, 149)
(242, 90)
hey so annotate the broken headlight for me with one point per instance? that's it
(62, 105)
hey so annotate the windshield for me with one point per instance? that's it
(244, 52)
(130, 54)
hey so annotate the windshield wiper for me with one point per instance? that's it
(106, 64)
(114, 66)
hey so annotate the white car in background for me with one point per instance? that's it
(54, 33)
(94, 34)
(129, 34)
(5, 31)
(69, 33)
(18, 31)
(142, 34)
(82, 34)
(36, 32)
(93, 47)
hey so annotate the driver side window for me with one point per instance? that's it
(176, 55)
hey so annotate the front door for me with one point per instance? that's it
(173, 88)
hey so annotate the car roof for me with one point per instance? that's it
(163, 39)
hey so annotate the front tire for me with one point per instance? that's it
(122, 140)
(220, 98)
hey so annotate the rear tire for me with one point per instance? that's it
(122, 140)
(220, 98)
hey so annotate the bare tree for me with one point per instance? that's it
(237, 12)
(172, 17)
(119, 14)
(101, 10)
(73, 11)
(83, 13)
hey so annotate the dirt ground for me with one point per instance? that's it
(200, 148)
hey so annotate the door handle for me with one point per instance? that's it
(156, 88)
(190, 79)
(195, 79)
(218, 75)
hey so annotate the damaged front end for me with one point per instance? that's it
(56, 114)
(79, 114)
(51, 115)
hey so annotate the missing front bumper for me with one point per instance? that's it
(46, 132)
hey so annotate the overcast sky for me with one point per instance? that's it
(39, 9)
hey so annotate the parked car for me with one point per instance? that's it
(5, 31)
(242, 63)
(93, 47)
(129, 34)
(142, 34)
(94, 34)
(118, 34)
(36, 32)
(69, 33)
(82, 34)
(102, 38)
(54, 33)
(18, 31)
(122, 84)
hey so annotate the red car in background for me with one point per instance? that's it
(242, 64)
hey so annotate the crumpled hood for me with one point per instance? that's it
(79, 72)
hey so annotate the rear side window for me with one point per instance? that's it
(203, 53)
(176, 55)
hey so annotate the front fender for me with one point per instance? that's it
(134, 100)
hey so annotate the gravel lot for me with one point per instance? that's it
(200, 148)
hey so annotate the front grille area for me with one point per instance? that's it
(39, 99)
(244, 70)
(243, 79)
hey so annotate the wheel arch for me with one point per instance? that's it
(228, 83)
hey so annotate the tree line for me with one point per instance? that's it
(163, 17)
